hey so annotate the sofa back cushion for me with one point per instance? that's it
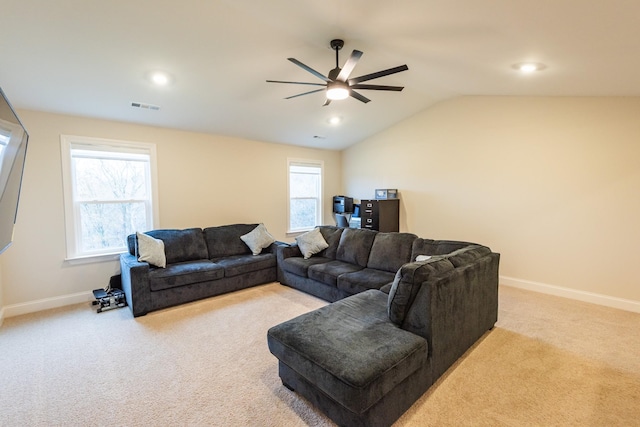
(225, 240)
(407, 283)
(390, 251)
(179, 245)
(435, 247)
(332, 236)
(355, 246)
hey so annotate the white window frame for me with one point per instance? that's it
(319, 213)
(71, 206)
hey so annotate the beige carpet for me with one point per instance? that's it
(549, 362)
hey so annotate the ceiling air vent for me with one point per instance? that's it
(145, 106)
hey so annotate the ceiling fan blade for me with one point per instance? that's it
(377, 87)
(359, 97)
(349, 66)
(378, 74)
(296, 83)
(309, 69)
(306, 93)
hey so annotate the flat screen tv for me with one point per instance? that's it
(13, 150)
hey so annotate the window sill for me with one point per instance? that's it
(92, 259)
(297, 232)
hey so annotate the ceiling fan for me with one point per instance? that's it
(338, 85)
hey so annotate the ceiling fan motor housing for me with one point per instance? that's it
(337, 44)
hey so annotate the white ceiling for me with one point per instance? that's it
(92, 58)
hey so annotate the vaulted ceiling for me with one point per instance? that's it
(93, 58)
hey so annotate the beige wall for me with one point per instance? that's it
(204, 180)
(553, 184)
(1, 297)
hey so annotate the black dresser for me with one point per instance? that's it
(380, 215)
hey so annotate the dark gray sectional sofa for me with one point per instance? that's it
(394, 326)
(365, 359)
(201, 263)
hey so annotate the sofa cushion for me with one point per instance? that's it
(311, 243)
(184, 273)
(365, 279)
(328, 272)
(332, 236)
(179, 245)
(258, 239)
(349, 349)
(355, 246)
(236, 265)
(407, 282)
(300, 266)
(467, 255)
(225, 240)
(390, 251)
(151, 250)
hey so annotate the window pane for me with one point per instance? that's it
(107, 225)
(303, 185)
(108, 193)
(303, 213)
(109, 179)
(305, 192)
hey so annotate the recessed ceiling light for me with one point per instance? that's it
(528, 67)
(159, 78)
(335, 120)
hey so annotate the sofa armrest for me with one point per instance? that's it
(273, 248)
(135, 284)
(288, 250)
(454, 310)
(284, 251)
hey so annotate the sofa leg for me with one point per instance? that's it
(288, 386)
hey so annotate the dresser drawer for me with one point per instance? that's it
(368, 206)
(369, 222)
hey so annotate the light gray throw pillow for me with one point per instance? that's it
(151, 250)
(258, 239)
(311, 242)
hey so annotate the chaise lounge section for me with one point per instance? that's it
(365, 359)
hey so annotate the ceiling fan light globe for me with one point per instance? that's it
(337, 92)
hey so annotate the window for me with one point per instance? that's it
(4, 141)
(109, 193)
(305, 194)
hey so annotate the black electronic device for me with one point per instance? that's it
(109, 300)
(342, 204)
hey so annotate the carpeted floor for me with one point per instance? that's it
(549, 362)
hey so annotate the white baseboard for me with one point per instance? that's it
(608, 301)
(605, 300)
(46, 304)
